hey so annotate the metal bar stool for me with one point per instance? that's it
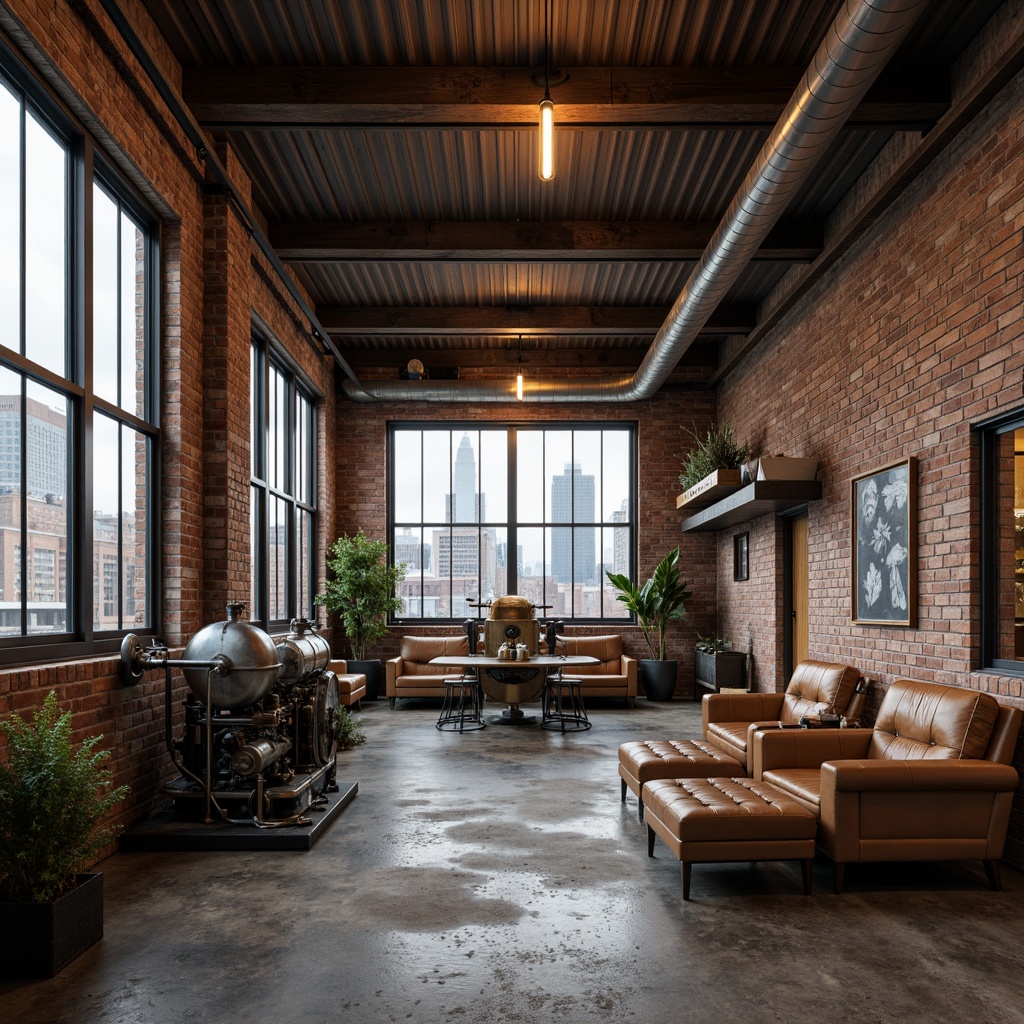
(562, 703)
(462, 709)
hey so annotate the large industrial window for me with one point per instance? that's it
(1003, 544)
(78, 416)
(482, 510)
(283, 518)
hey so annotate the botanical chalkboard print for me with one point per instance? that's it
(884, 546)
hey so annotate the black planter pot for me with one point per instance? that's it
(372, 671)
(658, 678)
(39, 939)
(714, 671)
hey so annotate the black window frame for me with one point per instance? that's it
(989, 433)
(264, 355)
(513, 428)
(86, 167)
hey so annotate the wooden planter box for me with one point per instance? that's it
(713, 672)
(711, 489)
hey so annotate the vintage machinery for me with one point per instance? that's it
(511, 620)
(259, 738)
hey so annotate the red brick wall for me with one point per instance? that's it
(913, 338)
(361, 475)
(212, 280)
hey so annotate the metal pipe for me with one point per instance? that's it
(857, 46)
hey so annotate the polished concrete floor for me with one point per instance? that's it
(495, 877)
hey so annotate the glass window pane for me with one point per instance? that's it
(462, 505)
(615, 478)
(416, 587)
(530, 477)
(276, 441)
(1010, 553)
(302, 562)
(255, 413)
(104, 302)
(494, 476)
(407, 475)
(278, 562)
(134, 527)
(437, 475)
(106, 515)
(45, 247)
(10, 503)
(10, 220)
(133, 317)
(255, 515)
(301, 455)
(530, 563)
(558, 466)
(46, 465)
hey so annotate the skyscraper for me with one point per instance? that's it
(464, 505)
(572, 501)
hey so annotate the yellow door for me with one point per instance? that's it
(798, 575)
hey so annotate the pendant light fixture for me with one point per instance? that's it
(519, 375)
(546, 166)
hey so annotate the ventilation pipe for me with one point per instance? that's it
(858, 45)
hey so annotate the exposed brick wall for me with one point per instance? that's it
(361, 505)
(213, 280)
(914, 337)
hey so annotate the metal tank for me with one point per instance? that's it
(245, 661)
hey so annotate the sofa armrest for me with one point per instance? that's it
(338, 666)
(629, 671)
(740, 707)
(939, 775)
(804, 748)
(392, 670)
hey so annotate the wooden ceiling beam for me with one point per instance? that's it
(515, 321)
(239, 98)
(519, 242)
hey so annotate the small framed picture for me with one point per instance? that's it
(883, 584)
(741, 557)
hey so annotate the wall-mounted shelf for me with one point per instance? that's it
(759, 498)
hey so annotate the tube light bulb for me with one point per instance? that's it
(519, 386)
(547, 140)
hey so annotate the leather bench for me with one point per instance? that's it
(717, 820)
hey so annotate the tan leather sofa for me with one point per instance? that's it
(411, 675)
(351, 685)
(613, 676)
(931, 781)
(816, 688)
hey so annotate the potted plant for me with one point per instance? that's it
(716, 666)
(53, 796)
(660, 600)
(361, 589)
(712, 467)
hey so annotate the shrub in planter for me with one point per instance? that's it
(348, 729)
(53, 798)
(719, 450)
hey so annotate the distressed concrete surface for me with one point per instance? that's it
(495, 877)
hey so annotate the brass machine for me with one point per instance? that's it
(260, 733)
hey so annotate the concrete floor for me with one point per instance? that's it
(495, 877)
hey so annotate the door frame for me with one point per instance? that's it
(787, 585)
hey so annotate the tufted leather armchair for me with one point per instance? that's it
(816, 687)
(931, 781)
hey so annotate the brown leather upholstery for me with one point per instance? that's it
(351, 685)
(615, 673)
(932, 781)
(412, 675)
(816, 688)
(644, 760)
(716, 819)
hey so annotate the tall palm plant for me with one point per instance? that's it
(660, 600)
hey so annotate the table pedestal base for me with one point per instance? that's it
(513, 715)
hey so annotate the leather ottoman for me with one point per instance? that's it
(643, 761)
(716, 820)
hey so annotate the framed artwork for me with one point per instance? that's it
(884, 545)
(741, 556)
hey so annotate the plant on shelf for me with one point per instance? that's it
(656, 604)
(718, 450)
(711, 644)
(347, 729)
(361, 589)
(54, 795)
